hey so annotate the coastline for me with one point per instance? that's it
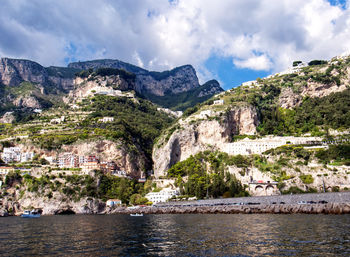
(329, 208)
(317, 203)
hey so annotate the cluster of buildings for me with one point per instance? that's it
(15, 154)
(258, 146)
(86, 163)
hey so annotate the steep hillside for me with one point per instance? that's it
(179, 86)
(307, 105)
(176, 89)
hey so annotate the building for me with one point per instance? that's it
(37, 110)
(14, 154)
(5, 170)
(106, 119)
(162, 196)
(89, 166)
(218, 102)
(68, 160)
(11, 154)
(58, 120)
(26, 157)
(113, 202)
(119, 173)
(258, 146)
(108, 167)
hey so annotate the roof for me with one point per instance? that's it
(114, 200)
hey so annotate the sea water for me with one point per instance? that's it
(177, 235)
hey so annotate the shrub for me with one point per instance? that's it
(306, 179)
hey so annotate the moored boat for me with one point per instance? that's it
(136, 214)
(31, 214)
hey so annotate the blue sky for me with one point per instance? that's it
(232, 41)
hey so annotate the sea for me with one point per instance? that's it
(177, 235)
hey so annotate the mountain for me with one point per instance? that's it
(177, 89)
(259, 131)
(178, 86)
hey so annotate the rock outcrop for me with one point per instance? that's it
(175, 81)
(7, 118)
(15, 71)
(194, 136)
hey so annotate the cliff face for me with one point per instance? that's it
(176, 81)
(174, 86)
(196, 135)
(15, 71)
(114, 84)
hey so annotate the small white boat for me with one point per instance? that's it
(136, 214)
(31, 214)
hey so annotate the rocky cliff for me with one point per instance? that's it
(15, 71)
(148, 84)
(198, 133)
(168, 88)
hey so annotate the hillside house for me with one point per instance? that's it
(106, 119)
(58, 120)
(119, 173)
(89, 166)
(218, 102)
(15, 154)
(113, 202)
(161, 196)
(68, 160)
(108, 167)
(4, 170)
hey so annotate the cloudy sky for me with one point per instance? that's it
(229, 40)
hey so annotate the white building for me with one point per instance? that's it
(162, 196)
(11, 154)
(113, 202)
(119, 173)
(26, 157)
(14, 154)
(258, 146)
(58, 120)
(219, 102)
(106, 119)
(37, 110)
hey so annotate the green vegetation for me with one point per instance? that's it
(61, 72)
(207, 176)
(337, 153)
(136, 124)
(317, 62)
(75, 187)
(329, 111)
(307, 179)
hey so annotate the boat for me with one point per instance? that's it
(136, 214)
(31, 214)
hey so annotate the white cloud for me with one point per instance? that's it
(256, 34)
(255, 63)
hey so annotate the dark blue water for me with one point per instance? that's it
(176, 235)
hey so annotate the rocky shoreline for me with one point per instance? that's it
(329, 208)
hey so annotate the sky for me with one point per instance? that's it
(232, 41)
